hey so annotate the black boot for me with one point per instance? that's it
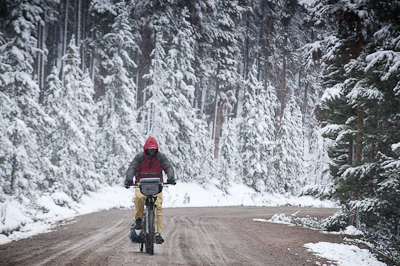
(158, 239)
(139, 225)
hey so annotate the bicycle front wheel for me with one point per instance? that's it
(150, 242)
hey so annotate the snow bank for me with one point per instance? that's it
(195, 195)
(343, 254)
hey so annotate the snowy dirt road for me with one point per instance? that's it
(193, 236)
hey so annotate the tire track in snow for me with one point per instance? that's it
(81, 246)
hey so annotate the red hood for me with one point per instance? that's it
(150, 143)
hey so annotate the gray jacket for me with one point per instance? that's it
(142, 164)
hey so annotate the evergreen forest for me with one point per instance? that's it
(285, 96)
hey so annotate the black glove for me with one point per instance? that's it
(171, 181)
(128, 183)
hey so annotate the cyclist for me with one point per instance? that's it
(149, 163)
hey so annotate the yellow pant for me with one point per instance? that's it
(140, 200)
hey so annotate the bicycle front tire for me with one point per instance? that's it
(150, 241)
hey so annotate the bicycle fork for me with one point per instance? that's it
(155, 221)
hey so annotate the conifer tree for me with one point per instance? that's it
(373, 178)
(289, 150)
(73, 150)
(7, 148)
(53, 106)
(152, 113)
(228, 161)
(156, 119)
(257, 134)
(366, 179)
(225, 39)
(336, 113)
(168, 113)
(23, 120)
(118, 137)
(179, 95)
(318, 163)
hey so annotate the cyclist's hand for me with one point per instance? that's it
(171, 181)
(128, 183)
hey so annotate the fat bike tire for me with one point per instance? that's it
(146, 236)
(141, 247)
(150, 242)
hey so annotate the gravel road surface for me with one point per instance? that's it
(193, 236)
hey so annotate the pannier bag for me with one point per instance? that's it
(150, 186)
(133, 236)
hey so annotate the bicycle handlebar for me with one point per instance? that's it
(137, 184)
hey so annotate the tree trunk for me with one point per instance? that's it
(353, 212)
(283, 88)
(14, 163)
(65, 41)
(358, 137)
(13, 174)
(357, 158)
(79, 18)
(305, 103)
(218, 132)
(350, 162)
(41, 58)
(350, 153)
(216, 122)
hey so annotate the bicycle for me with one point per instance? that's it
(149, 187)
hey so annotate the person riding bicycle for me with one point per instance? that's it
(147, 164)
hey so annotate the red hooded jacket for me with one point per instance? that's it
(144, 166)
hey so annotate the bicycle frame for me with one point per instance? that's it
(150, 214)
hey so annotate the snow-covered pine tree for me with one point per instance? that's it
(53, 106)
(318, 161)
(156, 121)
(225, 35)
(72, 138)
(334, 111)
(179, 95)
(374, 177)
(91, 178)
(315, 146)
(289, 150)
(153, 116)
(257, 135)
(118, 137)
(157, 15)
(229, 160)
(7, 108)
(24, 122)
(364, 65)
(204, 150)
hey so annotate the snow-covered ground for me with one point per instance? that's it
(59, 207)
(345, 254)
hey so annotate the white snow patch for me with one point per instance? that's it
(343, 254)
(332, 92)
(350, 230)
(395, 146)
